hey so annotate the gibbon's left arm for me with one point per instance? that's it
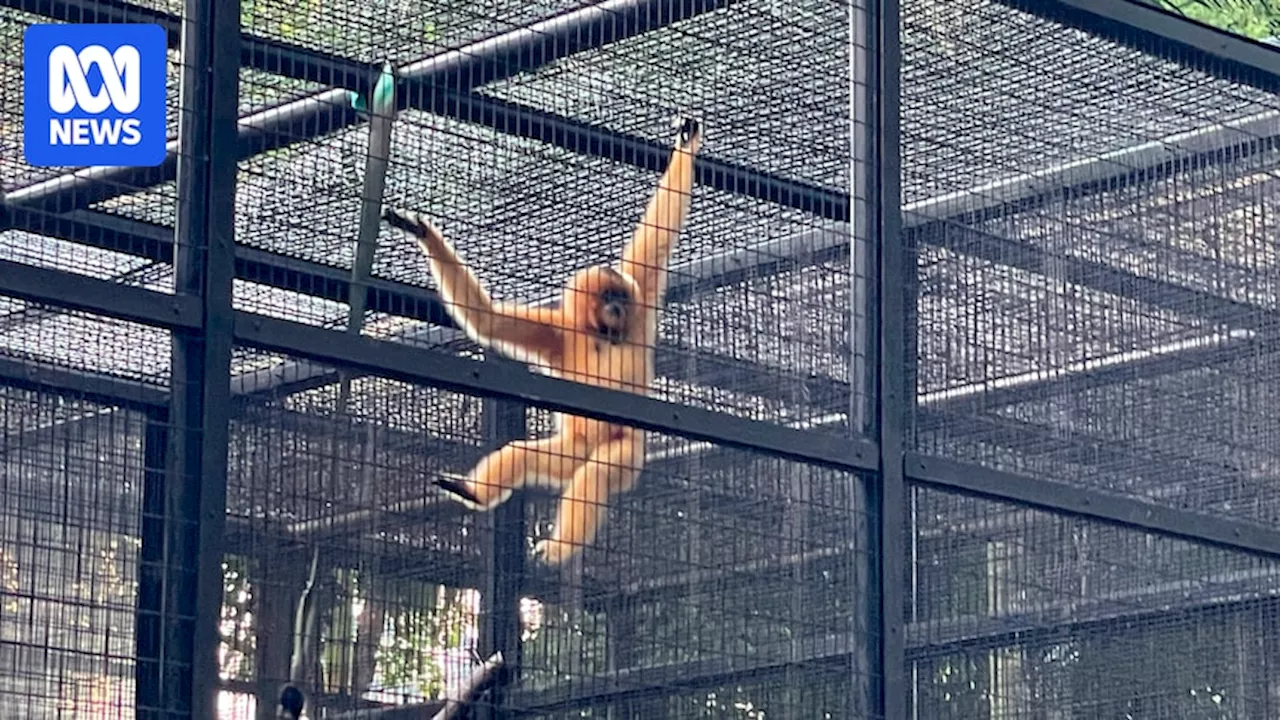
(647, 255)
(527, 334)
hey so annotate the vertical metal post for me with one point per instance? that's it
(504, 421)
(892, 279)
(151, 577)
(196, 482)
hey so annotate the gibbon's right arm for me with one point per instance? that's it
(525, 333)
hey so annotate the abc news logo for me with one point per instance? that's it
(94, 95)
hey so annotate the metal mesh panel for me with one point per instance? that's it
(742, 333)
(39, 334)
(73, 473)
(1017, 613)
(1102, 310)
(70, 502)
(722, 580)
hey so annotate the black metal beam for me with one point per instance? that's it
(1074, 618)
(1166, 35)
(829, 654)
(894, 274)
(458, 71)
(594, 141)
(101, 297)
(505, 557)
(1213, 349)
(155, 243)
(1093, 504)
(195, 485)
(399, 361)
(95, 387)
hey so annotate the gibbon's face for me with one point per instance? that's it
(602, 302)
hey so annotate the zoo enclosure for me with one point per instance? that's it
(1115, 431)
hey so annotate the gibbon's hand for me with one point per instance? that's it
(291, 702)
(688, 133)
(413, 223)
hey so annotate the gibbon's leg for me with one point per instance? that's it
(647, 255)
(527, 334)
(610, 471)
(504, 470)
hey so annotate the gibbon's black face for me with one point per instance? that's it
(612, 311)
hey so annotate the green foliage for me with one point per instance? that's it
(1256, 19)
(236, 626)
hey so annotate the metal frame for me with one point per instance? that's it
(895, 398)
(185, 436)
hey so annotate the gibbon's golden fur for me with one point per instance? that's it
(602, 333)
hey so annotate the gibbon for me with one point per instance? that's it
(602, 333)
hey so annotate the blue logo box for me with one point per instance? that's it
(94, 95)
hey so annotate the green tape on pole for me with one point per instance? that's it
(383, 91)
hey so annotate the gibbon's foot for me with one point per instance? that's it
(411, 222)
(459, 492)
(553, 552)
(688, 130)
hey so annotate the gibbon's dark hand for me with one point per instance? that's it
(688, 130)
(291, 702)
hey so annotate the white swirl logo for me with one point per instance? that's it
(69, 86)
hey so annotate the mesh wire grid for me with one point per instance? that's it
(71, 475)
(720, 563)
(527, 214)
(1110, 323)
(1016, 613)
(965, 94)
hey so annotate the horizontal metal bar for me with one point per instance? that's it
(95, 387)
(254, 536)
(1094, 504)
(826, 652)
(411, 711)
(505, 381)
(1215, 595)
(460, 70)
(998, 250)
(1179, 40)
(101, 297)
(155, 242)
(1082, 375)
(1215, 143)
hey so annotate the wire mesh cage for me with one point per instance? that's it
(236, 394)
(1097, 309)
(1095, 293)
(1020, 613)
(712, 568)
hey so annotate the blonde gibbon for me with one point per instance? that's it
(602, 333)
